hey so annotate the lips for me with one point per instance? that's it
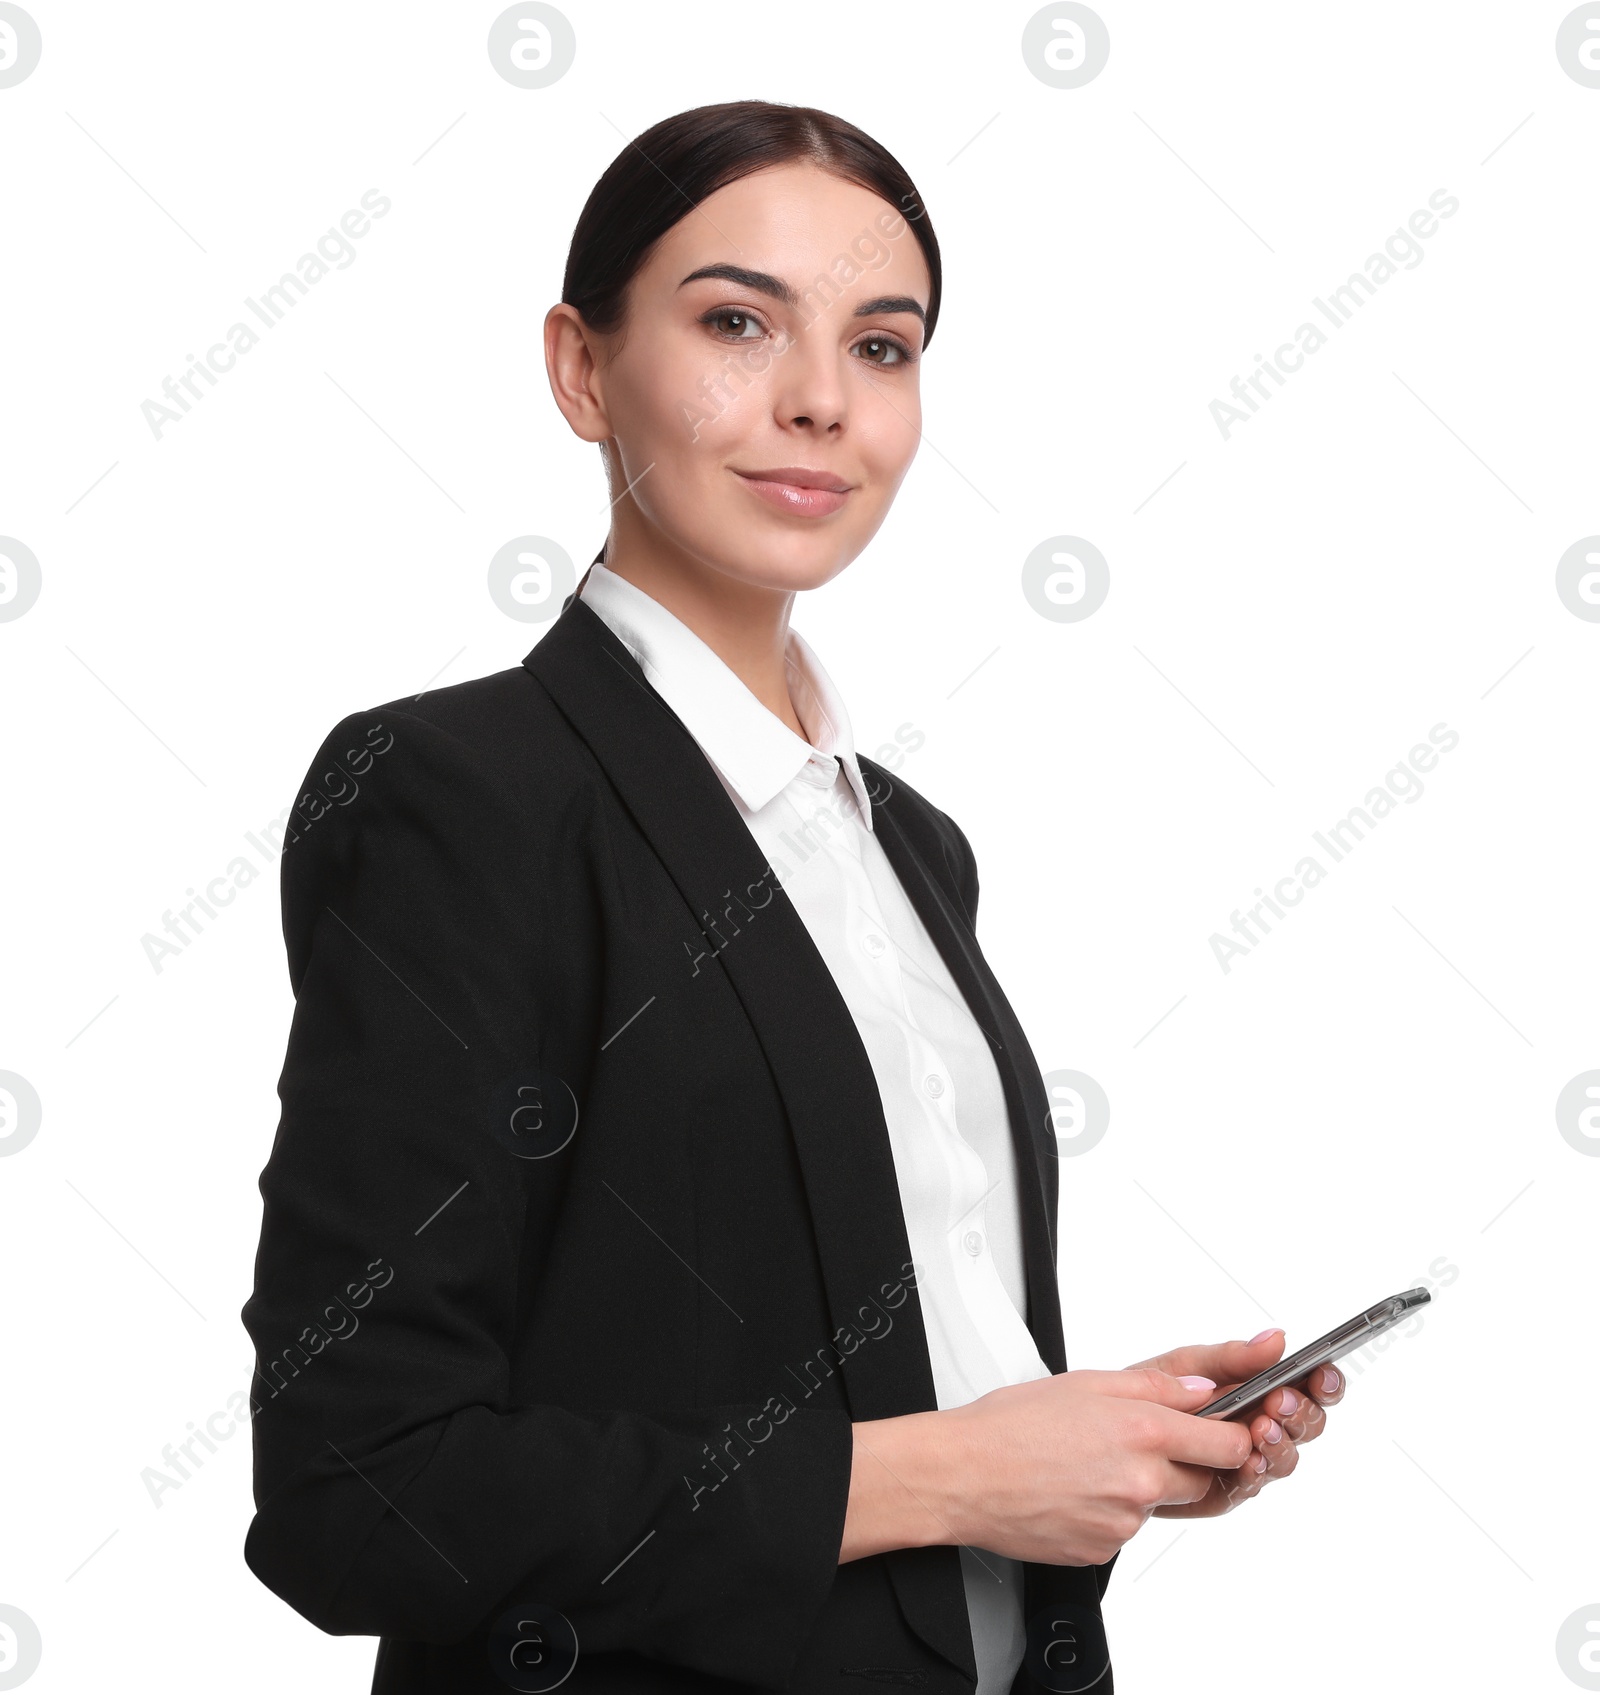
(797, 489)
(800, 477)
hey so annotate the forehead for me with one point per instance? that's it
(794, 221)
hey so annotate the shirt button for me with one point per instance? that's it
(873, 946)
(934, 1084)
(973, 1243)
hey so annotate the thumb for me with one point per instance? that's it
(1234, 1362)
(1227, 1362)
(1146, 1383)
(1231, 1362)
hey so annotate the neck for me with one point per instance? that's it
(744, 624)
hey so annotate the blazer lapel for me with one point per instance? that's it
(1026, 1104)
(833, 1106)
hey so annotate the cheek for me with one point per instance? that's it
(674, 429)
(888, 433)
(662, 462)
(655, 413)
(696, 400)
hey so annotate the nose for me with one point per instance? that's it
(810, 385)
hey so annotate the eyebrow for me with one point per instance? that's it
(765, 283)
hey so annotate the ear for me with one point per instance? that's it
(573, 370)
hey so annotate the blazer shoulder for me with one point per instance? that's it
(487, 715)
(941, 841)
(502, 730)
(485, 776)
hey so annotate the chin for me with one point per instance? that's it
(789, 569)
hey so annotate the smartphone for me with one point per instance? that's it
(1335, 1345)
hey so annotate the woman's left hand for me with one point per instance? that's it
(1281, 1422)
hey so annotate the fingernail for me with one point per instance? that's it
(1262, 1337)
(1290, 1402)
(1197, 1383)
(1330, 1380)
(1274, 1431)
(1259, 1463)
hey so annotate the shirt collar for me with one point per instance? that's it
(757, 754)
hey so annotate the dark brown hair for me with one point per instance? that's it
(666, 172)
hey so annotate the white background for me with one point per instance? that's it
(1365, 1100)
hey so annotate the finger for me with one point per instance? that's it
(1249, 1480)
(1228, 1489)
(1280, 1450)
(1326, 1385)
(1224, 1362)
(1301, 1416)
(1282, 1456)
(1215, 1442)
(1221, 1443)
(1187, 1485)
(1223, 1491)
(1183, 1392)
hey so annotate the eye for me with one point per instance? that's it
(742, 326)
(884, 350)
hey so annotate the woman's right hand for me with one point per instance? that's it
(1062, 1470)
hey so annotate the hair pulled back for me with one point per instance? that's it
(663, 174)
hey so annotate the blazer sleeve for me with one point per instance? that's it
(399, 1491)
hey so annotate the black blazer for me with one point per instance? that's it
(509, 1367)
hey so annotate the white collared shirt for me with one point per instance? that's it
(808, 809)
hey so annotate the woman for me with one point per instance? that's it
(658, 1262)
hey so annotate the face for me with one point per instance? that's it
(761, 401)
